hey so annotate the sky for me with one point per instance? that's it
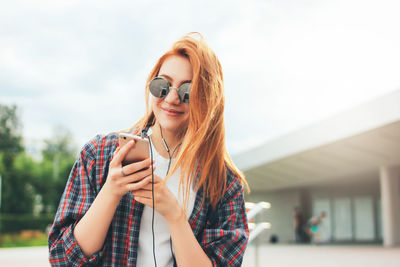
(82, 65)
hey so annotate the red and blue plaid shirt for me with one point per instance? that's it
(222, 233)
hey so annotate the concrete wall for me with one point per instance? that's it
(354, 191)
(280, 215)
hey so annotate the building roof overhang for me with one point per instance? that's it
(352, 143)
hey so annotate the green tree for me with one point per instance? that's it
(10, 134)
(20, 199)
(26, 182)
(17, 191)
(58, 157)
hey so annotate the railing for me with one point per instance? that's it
(256, 228)
(252, 210)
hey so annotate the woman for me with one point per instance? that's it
(105, 215)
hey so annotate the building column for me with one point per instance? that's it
(390, 194)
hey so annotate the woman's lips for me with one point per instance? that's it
(171, 112)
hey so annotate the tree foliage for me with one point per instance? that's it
(10, 134)
(30, 185)
(58, 157)
(17, 192)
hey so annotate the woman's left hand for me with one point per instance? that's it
(164, 200)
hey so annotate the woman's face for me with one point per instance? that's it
(170, 112)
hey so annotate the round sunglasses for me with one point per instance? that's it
(160, 87)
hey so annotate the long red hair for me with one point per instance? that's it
(203, 142)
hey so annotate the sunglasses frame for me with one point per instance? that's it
(160, 88)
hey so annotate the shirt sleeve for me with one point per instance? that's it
(226, 234)
(78, 196)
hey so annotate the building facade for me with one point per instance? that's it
(347, 166)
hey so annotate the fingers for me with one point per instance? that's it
(146, 201)
(147, 187)
(136, 166)
(142, 193)
(145, 191)
(165, 201)
(123, 151)
(144, 196)
(137, 176)
(157, 179)
(158, 182)
(138, 185)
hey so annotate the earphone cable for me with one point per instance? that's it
(169, 165)
(152, 194)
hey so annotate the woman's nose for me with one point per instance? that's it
(173, 97)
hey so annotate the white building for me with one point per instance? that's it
(348, 166)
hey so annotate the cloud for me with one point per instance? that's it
(286, 63)
(304, 64)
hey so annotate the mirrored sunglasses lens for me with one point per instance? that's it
(159, 87)
(184, 92)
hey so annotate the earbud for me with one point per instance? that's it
(146, 132)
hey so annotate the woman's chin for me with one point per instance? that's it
(172, 126)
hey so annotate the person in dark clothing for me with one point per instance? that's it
(299, 227)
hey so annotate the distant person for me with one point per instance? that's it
(300, 227)
(314, 226)
(106, 216)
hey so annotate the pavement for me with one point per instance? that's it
(268, 256)
(321, 256)
(22, 257)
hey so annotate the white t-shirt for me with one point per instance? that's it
(161, 230)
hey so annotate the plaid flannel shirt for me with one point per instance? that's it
(222, 233)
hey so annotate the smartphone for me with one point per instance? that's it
(140, 151)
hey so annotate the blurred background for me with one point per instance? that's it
(312, 114)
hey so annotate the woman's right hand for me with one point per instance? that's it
(122, 179)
